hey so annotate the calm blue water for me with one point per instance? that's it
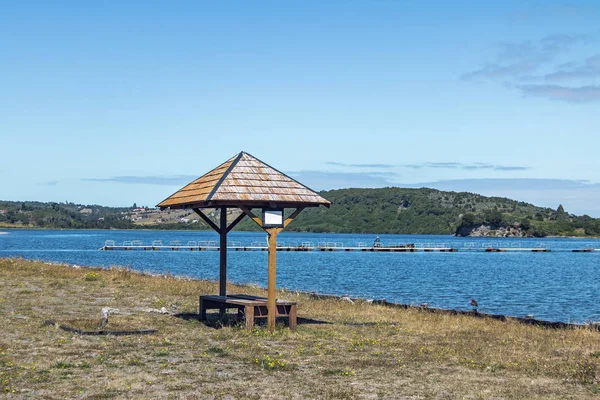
(559, 286)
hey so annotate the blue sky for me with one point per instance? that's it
(120, 102)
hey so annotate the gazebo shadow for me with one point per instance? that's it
(230, 320)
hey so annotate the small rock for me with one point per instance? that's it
(346, 298)
(154, 310)
(168, 371)
(108, 311)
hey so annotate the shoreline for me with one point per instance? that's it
(528, 320)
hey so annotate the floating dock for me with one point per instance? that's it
(281, 248)
(158, 245)
(503, 250)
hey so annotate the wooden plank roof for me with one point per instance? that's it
(244, 180)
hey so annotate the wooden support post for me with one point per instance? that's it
(207, 220)
(271, 284)
(235, 222)
(250, 214)
(249, 315)
(223, 253)
(292, 318)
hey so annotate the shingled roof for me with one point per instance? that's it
(244, 180)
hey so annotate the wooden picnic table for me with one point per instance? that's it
(250, 307)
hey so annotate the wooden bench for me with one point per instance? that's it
(250, 307)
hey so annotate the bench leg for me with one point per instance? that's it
(201, 311)
(240, 313)
(292, 317)
(249, 313)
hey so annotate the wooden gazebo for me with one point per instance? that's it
(246, 183)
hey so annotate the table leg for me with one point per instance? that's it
(201, 311)
(292, 317)
(249, 313)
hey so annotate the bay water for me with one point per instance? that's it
(559, 285)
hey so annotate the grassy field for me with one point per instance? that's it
(341, 350)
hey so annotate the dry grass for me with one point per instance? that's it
(362, 351)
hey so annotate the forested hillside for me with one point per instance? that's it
(386, 210)
(62, 215)
(398, 210)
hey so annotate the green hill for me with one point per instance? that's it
(35, 214)
(430, 211)
(385, 210)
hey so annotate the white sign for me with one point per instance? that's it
(273, 218)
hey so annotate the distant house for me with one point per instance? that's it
(86, 211)
(184, 220)
(3, 211)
